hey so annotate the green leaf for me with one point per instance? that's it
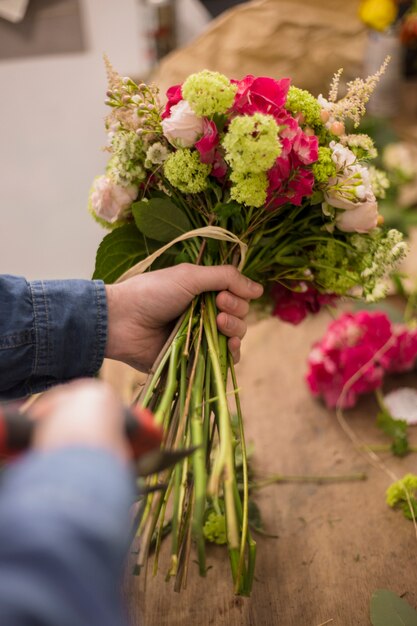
(396, 430)
(388, 609)
(254, 516)
(160, 219)
(226, 210)
(120, 250)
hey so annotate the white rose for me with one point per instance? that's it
(110, 201)
(359, 218)
(183, 127)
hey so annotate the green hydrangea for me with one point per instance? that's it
(301, 101)
(249, 188)
(396, 496)
(208, 93)
(186, 172)
(214, 529)
(252, 143)
(324, 168)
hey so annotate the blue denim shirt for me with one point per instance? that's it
(50, 332)
(64, 530)
(64, 513)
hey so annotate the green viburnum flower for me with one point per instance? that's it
(186, 172)
(324, 168)
(361, 268)
(208, 93)
(214, 529)
(301, 101)
(249, 188)
(396, 495)
(252, 143)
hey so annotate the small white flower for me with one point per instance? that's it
(342, 156)
(157, 153)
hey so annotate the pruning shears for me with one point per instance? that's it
(144, 436)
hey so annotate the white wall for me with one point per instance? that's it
(51, 134)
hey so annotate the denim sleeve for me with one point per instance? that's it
(64, 533)
(50, 332)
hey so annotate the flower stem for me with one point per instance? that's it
(282, 478)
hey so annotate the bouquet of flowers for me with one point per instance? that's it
(260, 174)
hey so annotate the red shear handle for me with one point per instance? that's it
(142, 432)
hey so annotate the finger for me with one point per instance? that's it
(199, 278)
(229, 303)
(234, 346)
(231, 326)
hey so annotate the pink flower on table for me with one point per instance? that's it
(208, 143)
(174, 95)
(403, 354)
(262, 94)
(293, 306)
(350, 343)
(183, 127)
(111, 201)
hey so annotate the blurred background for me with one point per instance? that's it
(53, 86)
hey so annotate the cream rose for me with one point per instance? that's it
(110, 201)
(183, 127)
(360, 217)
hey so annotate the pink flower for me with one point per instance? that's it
(306, 147)
(219, 168)
(174, 95)
(403, 354)
(183, 126)
(290, 180)
(208, 142)
(110, 201)
(262, 94)
(351, 343)
(293, 306)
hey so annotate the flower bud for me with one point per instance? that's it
(337, 128)
(324, 115)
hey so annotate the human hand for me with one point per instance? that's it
(85, 412)
(141, 310)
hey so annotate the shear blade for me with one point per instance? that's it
(158, 460)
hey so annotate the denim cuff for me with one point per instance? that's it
(70, 325)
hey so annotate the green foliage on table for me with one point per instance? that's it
(388, 609)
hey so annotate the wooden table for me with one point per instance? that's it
(336, 543)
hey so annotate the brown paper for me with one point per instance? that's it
(305, 40)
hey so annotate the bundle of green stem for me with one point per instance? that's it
(188, 392)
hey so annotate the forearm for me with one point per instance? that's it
(64, 529)
(50, 332)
